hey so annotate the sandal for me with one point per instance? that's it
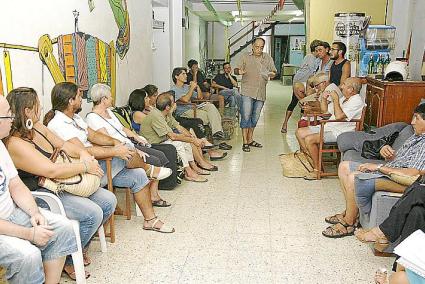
(73, 276)
(245, 148)
(198, 179)
(255, 144)
(334, 232)
(163, 229)
(283, 130)
(381, 244)
(335, 219)
(161, 203)
(363, 235)
(212, 169)
(163, 173)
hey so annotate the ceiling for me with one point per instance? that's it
(252, 10)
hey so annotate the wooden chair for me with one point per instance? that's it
(128, 204)
(326, 147)
(111, 221)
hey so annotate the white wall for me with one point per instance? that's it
(192, 40)
(161, 54)
(216, 41)
(23, 22)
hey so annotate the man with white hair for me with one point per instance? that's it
(348, 107)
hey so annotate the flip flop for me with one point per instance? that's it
(199, 179)
(218, 158)
(283, 130)
(161, 203)
(213, 169)
(255, 144)
(163, 229)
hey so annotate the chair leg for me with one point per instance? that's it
(77, 257)
(102, 239)
(128, 203)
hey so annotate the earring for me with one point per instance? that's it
(29, 124)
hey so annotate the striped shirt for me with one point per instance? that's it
(411, 154)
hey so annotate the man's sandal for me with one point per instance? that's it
(163, 229)
(334, 232)
(161, 203)
(335, 219)
(245, 148)
(255, 144)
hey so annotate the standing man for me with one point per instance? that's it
(227, 86)
(307, 69)
(256, 68)
(341, 67)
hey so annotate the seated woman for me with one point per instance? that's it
(139, 102)
(31, 144)
(33, 242)
(102, 119)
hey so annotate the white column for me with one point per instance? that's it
(417, 44)
(176, 32)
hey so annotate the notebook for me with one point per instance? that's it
(412, 252)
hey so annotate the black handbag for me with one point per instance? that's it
(371, 148)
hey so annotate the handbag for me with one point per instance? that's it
(295, 165)
(82, 184)
(371, 148)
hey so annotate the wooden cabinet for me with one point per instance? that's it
(389, 102)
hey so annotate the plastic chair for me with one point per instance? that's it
(56, 207)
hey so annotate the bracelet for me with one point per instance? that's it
(85, 167)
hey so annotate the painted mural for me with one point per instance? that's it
(122, 19)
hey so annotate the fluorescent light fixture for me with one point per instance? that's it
(235, 13)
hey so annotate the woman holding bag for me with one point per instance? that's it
(31, 144)
(102, 119)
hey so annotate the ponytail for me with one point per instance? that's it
(49, 116)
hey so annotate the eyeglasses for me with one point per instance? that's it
(12, 117)
(318, 84)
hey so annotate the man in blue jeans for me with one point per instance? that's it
(227, 86)
(256, 68)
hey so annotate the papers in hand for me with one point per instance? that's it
(412, 252)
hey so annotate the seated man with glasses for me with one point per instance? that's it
(348, 107)
(341, 67)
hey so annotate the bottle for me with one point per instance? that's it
(371, 65)
(380, 65)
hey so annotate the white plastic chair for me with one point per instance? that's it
(56, 207)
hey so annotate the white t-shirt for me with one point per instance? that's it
(7, 172)
(112, 125)
(68, 128)
(352, 109)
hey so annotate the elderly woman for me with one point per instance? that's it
(31, 144)
(102, 119)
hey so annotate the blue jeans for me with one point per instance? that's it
(90, 212)
(231, 97)
(22, 260)
(250, 110)
(135, 179)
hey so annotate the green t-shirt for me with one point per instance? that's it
(155, 126)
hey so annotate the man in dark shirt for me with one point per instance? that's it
(226, 85)
(196, 75)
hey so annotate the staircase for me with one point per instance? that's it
(250, 30)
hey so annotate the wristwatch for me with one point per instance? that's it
(379, 167)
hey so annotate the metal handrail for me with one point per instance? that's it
(250, 23)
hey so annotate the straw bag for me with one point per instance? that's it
(136, 161)
(404, 179)
(82, 184)
(295, 165)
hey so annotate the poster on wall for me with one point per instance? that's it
(347, 28)
(296, 49)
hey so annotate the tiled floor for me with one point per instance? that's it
(249, 224)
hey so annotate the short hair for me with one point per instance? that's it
(315, 43)
(324, 44)
(164, 100)
(355, 84)
(176, 72)
(99, 91)
(341, 46)
(420, 109)
(320, 77)
(150, 89)
(192, 62)
(136, 101)
(259, 38)
(225, 63)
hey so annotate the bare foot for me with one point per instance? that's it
(370, 236)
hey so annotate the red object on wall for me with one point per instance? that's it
(281, 2)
